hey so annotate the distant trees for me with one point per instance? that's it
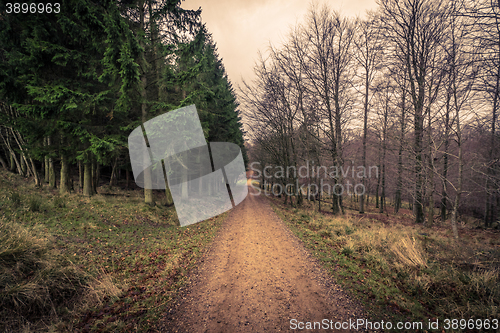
(421, 65)
(73, 85)
(416, 29)
(369, 56)
(485, 27)
(309, 81)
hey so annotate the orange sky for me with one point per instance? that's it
(243, 27)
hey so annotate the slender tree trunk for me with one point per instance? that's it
(38, 180)
(399, 182)
(16, 163)
(490, 171)
(23, 166)
(87, 179)
(80, 175)
(148, 185)
(50, 170)
(382, 194)
(418, 203)
(64, 180)
(96, 175)
(168, 195)
(46, 160)
(113, 178)
(430, 212)
(384, 149)
(52, 174)
(338, 135)
(377, 189)
(460, 160)
(459, 184)
(365, 131)
(444, 195)
(2, 161)
(12, 163)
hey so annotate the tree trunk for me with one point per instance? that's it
(444, 195)
(113, 178)
(382, 194)
(12, 163)
(168, 195)
(80, 175)
(38, 181)
(2, 161)
(430, 212)
(52, 174)
(418, 204)
(459, 192)
(64, 180)
(377, 189)
(23, 166)
(399, 182)
(148, 185)
(96, 174)
(365, 131)
(46, 160)
(87, 180)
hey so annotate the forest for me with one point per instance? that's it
(76, 78)
(74, 84)
(399, 109)
(411, 90)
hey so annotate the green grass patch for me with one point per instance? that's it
(403, 272)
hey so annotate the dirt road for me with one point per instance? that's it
(257, 277)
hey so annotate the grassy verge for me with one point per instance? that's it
(401, 271)
(121, 261)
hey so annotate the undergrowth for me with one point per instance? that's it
(108, 263)
(400, 271)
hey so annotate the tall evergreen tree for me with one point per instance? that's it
(67, 78)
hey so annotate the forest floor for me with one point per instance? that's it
(127, 260)
(110, 263)
(257, 277)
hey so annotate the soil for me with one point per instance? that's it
(257, 277)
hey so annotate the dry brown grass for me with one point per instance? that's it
(37, 281)
(414, 270)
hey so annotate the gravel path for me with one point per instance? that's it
(257, 277)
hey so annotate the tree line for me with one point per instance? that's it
(73, 85)
(412, 88)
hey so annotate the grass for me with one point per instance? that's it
(402, 271)
(35, 204)
(35, 279)
(124, 261)
(15, 199)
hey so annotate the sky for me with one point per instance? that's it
(241, 28)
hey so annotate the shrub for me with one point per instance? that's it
(15, 198)
(35, 204)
